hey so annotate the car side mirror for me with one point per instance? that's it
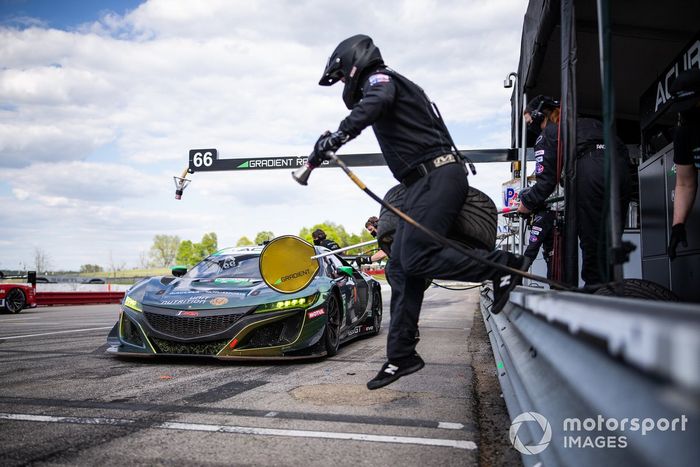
(179, 271)
(346, 270)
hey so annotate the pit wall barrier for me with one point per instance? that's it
(77, 298)
(593, 380)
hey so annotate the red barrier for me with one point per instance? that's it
(375, 271)
(77, 298)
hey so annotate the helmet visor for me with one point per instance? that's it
(333, 72)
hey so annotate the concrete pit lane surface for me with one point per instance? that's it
(63, 400)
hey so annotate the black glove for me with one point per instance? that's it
(327, 142)
(677, 236)
(363, 259)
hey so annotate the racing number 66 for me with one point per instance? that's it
(202, 159)
(199, 159)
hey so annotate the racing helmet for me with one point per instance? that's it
(536, 108)
(350, 60)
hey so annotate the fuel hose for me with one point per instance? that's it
(302, 176)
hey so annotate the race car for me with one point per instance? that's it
(16, 297)
(223, 308)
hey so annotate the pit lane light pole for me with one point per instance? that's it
(510, 81)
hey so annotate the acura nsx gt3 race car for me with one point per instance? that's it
(224, 308)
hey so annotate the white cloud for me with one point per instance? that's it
(95, 121)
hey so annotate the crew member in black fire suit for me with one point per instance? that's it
(319, 237)
(417, 149)
(372, 225)
(542, 115)
(591, 187)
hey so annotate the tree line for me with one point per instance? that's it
(168, 250)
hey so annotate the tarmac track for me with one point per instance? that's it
(64, 401)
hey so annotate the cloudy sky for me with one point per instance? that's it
(101, 100)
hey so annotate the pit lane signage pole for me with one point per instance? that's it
(207, 160)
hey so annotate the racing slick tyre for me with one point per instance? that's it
(331, 335)
(640, 288)
(14, 301)
(475, 227)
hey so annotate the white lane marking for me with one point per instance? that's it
(245, 430)
(56, 332)
(450, 425)
(43, 323)
(79, 420)
(453, 443)
(9, 320)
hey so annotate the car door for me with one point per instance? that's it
(346, 284)
(361, 291)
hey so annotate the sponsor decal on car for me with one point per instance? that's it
(188, 313)
(219, 301)
(233, 293)
(316, 313)
(199, 300)
(233, 280)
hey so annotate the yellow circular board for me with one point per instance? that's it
(286, 265)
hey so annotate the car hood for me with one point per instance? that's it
(198, 294)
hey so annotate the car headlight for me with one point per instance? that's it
(133, 304)
(303, 302)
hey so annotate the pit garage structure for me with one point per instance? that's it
(572, 356)
(649, 44)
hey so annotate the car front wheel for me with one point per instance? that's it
(331, 336)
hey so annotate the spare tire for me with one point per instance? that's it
(641, 288)
(475, 227)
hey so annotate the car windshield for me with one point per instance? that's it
(224, 266)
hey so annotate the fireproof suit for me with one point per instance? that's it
(592, 195)
(542, 228)
(328, 243)
(409, 134)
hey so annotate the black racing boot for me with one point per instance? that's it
(395, 369)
